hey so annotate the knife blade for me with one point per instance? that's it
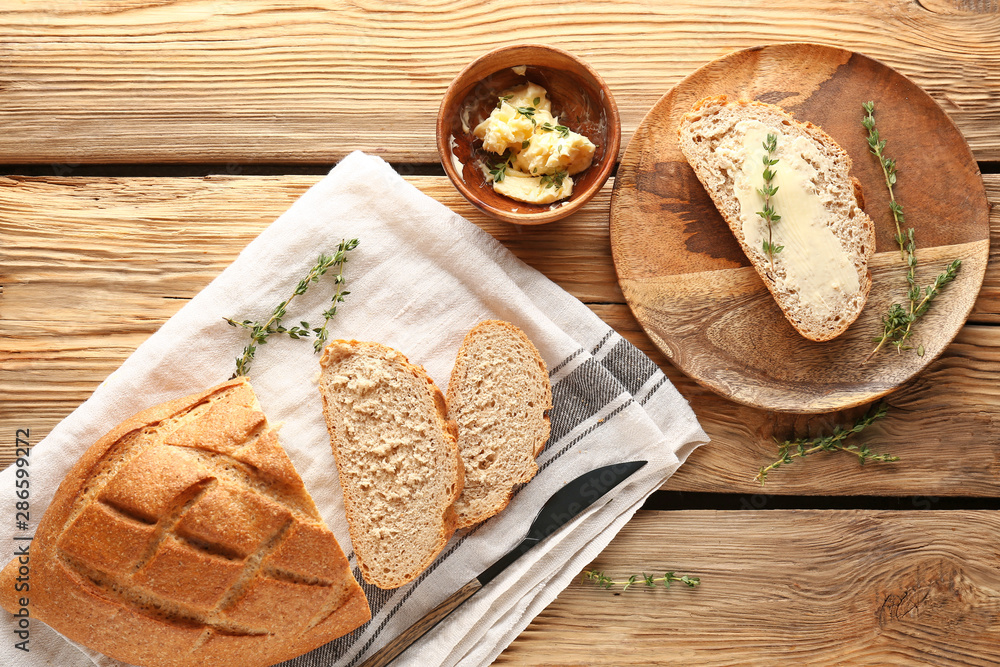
(561, 507)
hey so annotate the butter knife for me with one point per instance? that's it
(559, 509)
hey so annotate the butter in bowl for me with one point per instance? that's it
(528, 133)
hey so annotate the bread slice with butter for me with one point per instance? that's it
(820, 278)
(499, 396)
(397, 458)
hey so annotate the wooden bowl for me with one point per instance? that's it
(580, 99)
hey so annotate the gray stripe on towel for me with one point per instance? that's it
(629, 365)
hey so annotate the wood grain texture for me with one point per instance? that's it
(90, 267)
(785, 588)
(944, 425)
(685, 275)
(277, 81)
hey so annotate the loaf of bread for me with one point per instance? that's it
(185, 537)
(820, 277)
(499, 396)
(396, 455)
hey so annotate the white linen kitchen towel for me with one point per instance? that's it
(420, 278)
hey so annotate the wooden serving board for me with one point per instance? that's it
(693, 290)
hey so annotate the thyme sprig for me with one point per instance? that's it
(647, 580)
(877, 147)
(553, 180)
(529, 112)
(789, 450)
(499, 170)
(261, 331)
(897, 323)
(768, 191)
(338, 260)
(562, 130)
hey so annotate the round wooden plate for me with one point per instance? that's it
(696, 295)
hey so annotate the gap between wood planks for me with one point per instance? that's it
(765, 500)
(198, 170)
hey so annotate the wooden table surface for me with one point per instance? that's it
(146, 142)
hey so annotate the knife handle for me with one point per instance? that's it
(388, 653)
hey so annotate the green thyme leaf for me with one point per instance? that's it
(562, 130)
(499, 172)
(553, 180)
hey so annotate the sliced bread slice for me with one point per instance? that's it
(499, 396)
(396, 455)
(819, 276)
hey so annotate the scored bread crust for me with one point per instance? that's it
(702, 128)
(397, 458)
(499, 396)
(184, 537)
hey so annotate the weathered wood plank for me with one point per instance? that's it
(784, 588)
(66, 229)
(91, 266)
(944, 425)
(281, 81)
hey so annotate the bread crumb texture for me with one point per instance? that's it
(186, 537)
(499, 396)
(396, 455)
